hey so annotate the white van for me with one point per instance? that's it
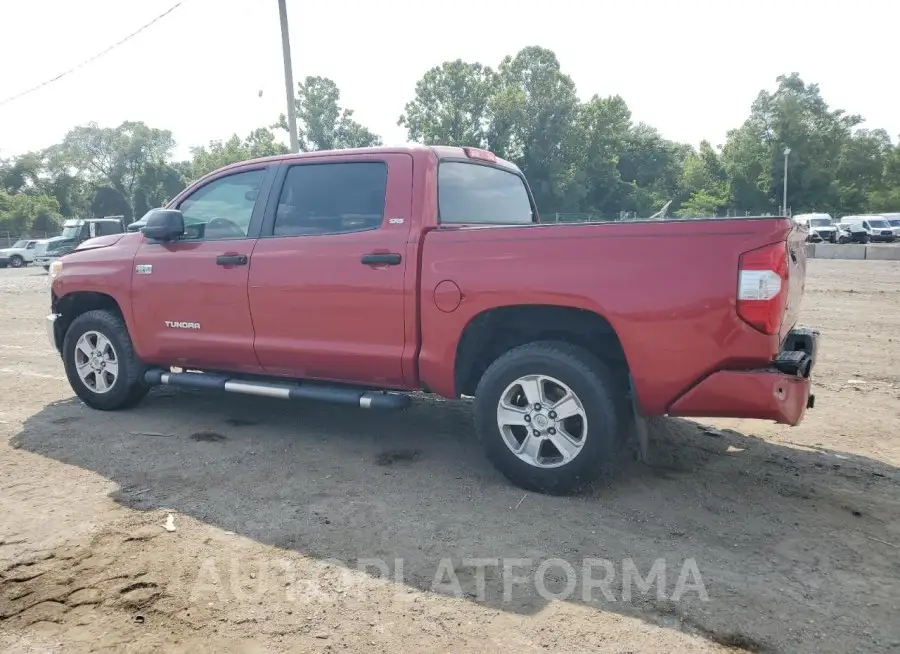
(821, 223)
(894, 221)
(876, 226)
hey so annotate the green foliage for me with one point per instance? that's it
(591, 158)
(584, 160)
(321, 122)
(465, 121)
(21, 213)
(260, 143)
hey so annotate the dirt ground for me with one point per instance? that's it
(302, 527)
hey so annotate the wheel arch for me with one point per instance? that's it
(76, 303)
(494, 331)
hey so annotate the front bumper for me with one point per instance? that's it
(50, 324)
(780, 393)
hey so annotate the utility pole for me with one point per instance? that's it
(787, 152)
(288, 76)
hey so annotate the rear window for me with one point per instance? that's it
(477, 194)
(107, 228)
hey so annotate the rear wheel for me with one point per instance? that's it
(546, 416)
(100, 362)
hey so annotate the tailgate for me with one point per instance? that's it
(796, 260)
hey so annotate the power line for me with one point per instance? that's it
(96, 56)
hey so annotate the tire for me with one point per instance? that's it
(47, 268)
(127, 388)
(592, 384)
(15, 261)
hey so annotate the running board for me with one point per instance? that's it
(302, 391)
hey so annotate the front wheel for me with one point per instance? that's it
(16, 261)
(101, 363)
(546, 416)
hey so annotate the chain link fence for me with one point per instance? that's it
(627, 216)
(8, 238)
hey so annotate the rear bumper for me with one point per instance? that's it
(780, 393)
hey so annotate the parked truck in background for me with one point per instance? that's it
(358, 276)
(74, 232)
(20, 253)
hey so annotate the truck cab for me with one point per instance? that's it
(76, 231)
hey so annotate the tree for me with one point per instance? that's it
(452, 105)
(115, 157)
(534, 116)
(108, 201)
(600, 136)
(20, 174)
(321, 122)
(259, 143)
(20, 212)
(652, 166)
(833, 165)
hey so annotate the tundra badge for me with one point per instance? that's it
(143, 269)
(182, 325)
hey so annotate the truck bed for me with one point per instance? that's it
(668, 289)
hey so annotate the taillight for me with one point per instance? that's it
(763, 287)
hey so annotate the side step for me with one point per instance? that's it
(363, 398)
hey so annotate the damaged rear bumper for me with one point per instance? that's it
(780, 393)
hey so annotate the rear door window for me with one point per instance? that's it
(470, 193)
(332, 198)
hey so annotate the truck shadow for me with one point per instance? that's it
(787, 543)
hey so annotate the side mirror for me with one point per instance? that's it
(164, 225)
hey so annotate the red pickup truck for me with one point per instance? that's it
(357, 276)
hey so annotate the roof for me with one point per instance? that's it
(441, 151)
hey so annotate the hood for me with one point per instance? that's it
(59, 244)
(5, 251)
(99, 242)
(825, 228)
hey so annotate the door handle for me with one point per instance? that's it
(231, 260)
(382, 259)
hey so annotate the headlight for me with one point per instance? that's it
(55, 269)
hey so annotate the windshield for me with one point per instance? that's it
(879, 224)
(820, 222)
(895, 222)
(19, 245)
(71, 232)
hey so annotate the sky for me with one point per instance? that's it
(691, 68)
